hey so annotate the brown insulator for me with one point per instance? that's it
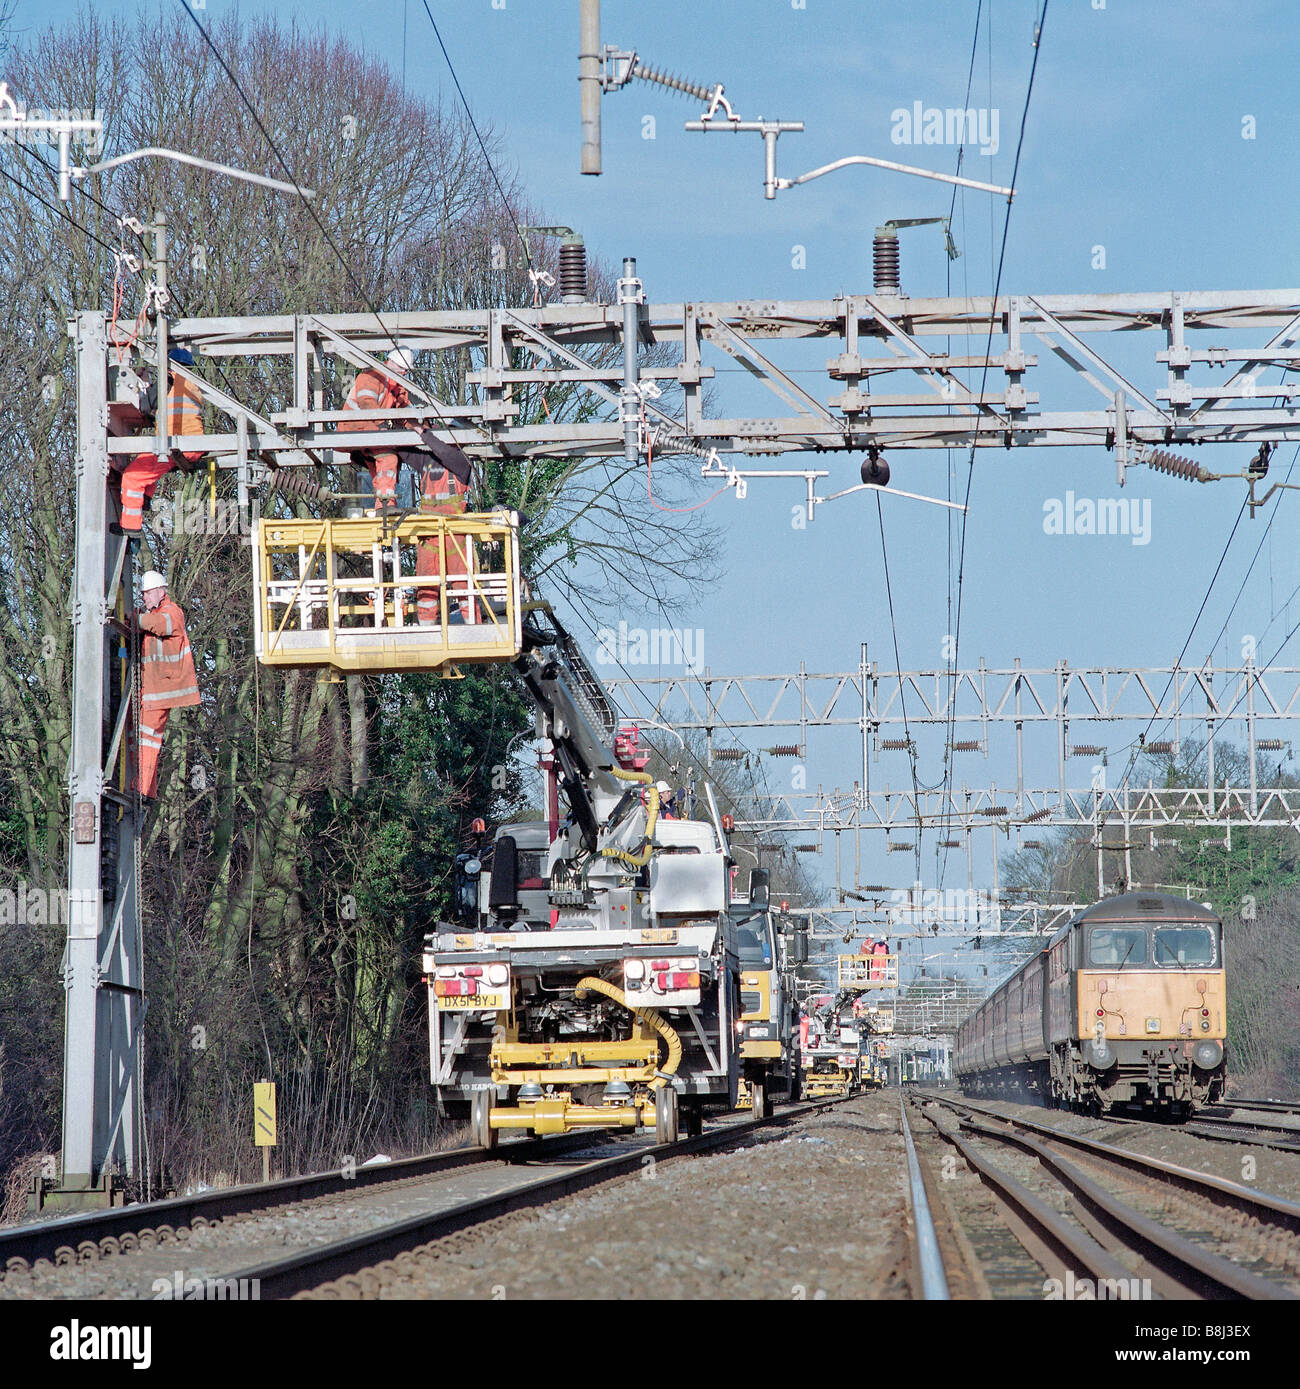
(573, 272)
(1175, 465)
(885, 264)
(296, 483)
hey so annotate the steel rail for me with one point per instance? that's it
(1273, 1210)
(78, 1237)
(934, 1280)
(301, 1272)
(1266, 1106)
(1276, 1136)
(1204, 1273)
(1032, 1220)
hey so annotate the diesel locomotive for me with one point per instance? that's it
(1125, 1004)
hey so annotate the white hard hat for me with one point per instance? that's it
(152, 579)
(662, 786)
(402, 358)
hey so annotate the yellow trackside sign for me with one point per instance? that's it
(264, 1113)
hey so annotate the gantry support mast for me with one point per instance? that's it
(102, 968)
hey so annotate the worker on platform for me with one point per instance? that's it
(375, 389)
(667, 801)
(141, 473)
(878, 953)
(167, 677)
(447, 476)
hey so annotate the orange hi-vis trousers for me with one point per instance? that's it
(428, 562)
(139, 478)
(152, 725)
(382, 468)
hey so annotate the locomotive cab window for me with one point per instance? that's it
(1117, 946)
(1184, 945)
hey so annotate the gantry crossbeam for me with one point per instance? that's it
(879, 380)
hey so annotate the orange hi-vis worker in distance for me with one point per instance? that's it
(141, 474)
(446, 486)
(167, 677)
(376, 390)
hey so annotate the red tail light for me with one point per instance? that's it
(1205, 1012)
(687, 979)
(473, 971)
(454, 988)
(661, 964)
(1101, 1012)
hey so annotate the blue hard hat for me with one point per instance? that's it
(183, 355)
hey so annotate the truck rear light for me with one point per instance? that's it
(446, 971)
(687, 979)
(1101, 1012)
(634, 969)
(454, 988)
(661, 964)
(473, 971)
(498, 974)
(1205, 1012)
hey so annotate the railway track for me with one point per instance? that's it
(102, 1234)
(1135, 1225)
(366, 1264)
(311, 1202)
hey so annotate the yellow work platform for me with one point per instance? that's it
(868, 971)
(344, 592)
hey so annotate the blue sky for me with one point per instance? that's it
(1133, 142)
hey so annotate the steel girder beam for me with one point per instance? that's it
(1182, 400)
(983, 695)
(1129, 807)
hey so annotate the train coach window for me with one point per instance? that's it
(1111, 946)
(1184, 945)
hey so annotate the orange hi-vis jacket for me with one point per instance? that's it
(372, 390)
(184, 409)
(167, 677)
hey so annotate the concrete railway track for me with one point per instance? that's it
(1133, 1225)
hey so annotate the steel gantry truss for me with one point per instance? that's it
(861, 402)
(1028, 711)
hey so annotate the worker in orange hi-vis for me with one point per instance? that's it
(445, 489)
(141, 473)
(378, 390)
(167, 677)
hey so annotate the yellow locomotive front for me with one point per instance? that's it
(1149, 1007)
